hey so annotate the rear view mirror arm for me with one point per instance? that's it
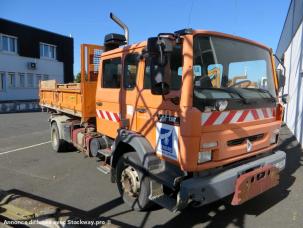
(279, 60)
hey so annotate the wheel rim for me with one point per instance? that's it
(54, 138)
(130, 181)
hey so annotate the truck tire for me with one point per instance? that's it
(58, 144)
(133, 185)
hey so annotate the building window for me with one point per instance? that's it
(112, 69)
(11, 80)
(21, 80)
(2, 84)
(48, 51)
(45, 77)
(8, 43)
(38, 79)
(30, 80)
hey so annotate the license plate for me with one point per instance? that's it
(255, 182)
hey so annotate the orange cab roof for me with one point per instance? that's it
(194, 32)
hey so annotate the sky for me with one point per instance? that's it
(88, 21)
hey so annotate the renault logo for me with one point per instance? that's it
(249, 145)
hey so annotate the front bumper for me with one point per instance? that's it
(213, 187)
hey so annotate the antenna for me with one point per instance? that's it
(190, 12)
(235, 18)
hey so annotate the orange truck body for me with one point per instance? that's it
(138, 110)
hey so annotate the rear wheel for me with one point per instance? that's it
(58, 144)
(132, 184)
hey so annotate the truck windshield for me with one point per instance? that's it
(230, 69)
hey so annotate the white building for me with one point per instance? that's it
(290, 50)
(28, 55)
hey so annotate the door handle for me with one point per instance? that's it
(141, 110)
(99, 103)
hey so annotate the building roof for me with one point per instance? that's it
(31, 27)
(292, 22)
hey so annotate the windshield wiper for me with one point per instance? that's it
(262, 91)
(232, 91)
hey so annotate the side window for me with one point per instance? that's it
(176, 64)
(11, 80)
(173, 70)
(2, 83)
(130, 71)
(22, 80)
(146, 83)
(111, 73)
(30, 80)
(38, 79)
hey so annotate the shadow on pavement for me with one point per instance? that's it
(48, 209)
(218, 214)
(222, 214)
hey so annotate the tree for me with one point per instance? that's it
(78, 78)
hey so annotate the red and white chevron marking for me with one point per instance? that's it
(236, 116)
(112, 116)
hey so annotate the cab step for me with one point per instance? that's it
(105, 152)
(159, 197)
(104, 167)
(165, 201)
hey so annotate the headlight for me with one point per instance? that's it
(221, 105)
(281, 164)
(204, 156)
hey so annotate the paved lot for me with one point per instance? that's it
(69, 180)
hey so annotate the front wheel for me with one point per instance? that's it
(133, 185)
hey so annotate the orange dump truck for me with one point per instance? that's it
(186, 117)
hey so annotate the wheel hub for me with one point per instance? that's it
(130, 181)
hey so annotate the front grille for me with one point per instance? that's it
(239, 141)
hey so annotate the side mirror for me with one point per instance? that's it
(158, 50)
(285, 98)
(152, 46)
(157, 78)
(160, 47)
(281, 78)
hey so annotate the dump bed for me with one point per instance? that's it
(77, 99)
(69, 98)
(61, 97)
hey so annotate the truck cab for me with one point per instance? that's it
(207, 117)
(201, 100)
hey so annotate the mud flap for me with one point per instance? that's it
(254, 183)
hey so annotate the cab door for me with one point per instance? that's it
(151, 108)
(108, 95)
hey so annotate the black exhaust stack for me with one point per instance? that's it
(113, 40)
(122, 25)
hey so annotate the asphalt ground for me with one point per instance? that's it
(29, 167)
